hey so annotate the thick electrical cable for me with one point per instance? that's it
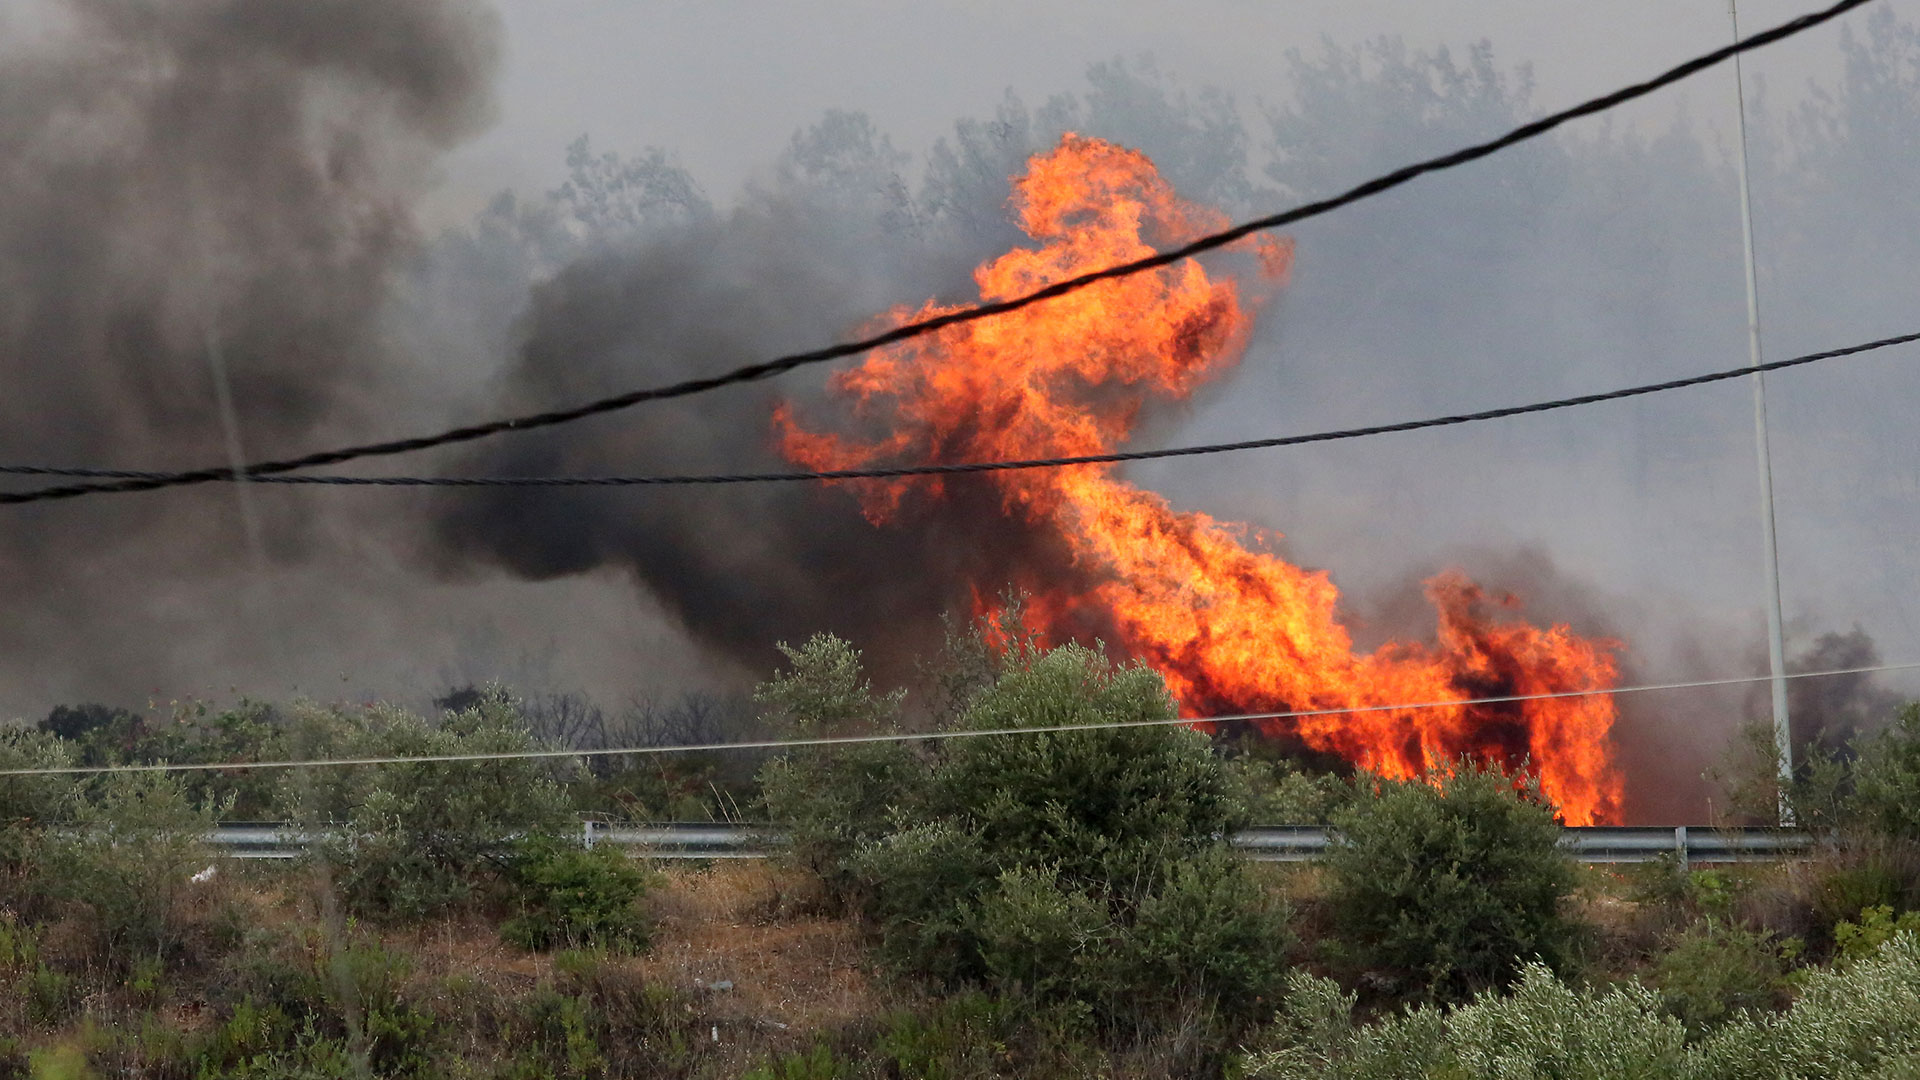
(891, 472)
(927, 736)
(920, 328)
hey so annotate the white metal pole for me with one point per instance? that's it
(1776, 637)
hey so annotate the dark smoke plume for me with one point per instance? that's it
(190, 182)
(763, 563)
(1830, 711)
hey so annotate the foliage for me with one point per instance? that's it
(1861, 1019)
(1279, 793)
(1877, 926)
(1716, 970)
(1887, 778)
(966, 1035)
(596, 1019)
(189, 731)
(1817, 797)
(1544, 1029)
(572, 896)
(29, 803)
(831, 800)
(411, 840)
(1080, 869)
(819, 1063)
(1446, 885)
(128, 863)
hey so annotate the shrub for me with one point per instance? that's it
(407, 841)
(1887, 778)
(29, 803)
(1860, 1019)
(831, 800)
(1716, 970)
(128, 864)
(598, 1019)
(1097, 801)
(365, 986)
(1818, 797)
(1278, 793)
(1206, 933)
(1079, 870)
(962, 1036)
(1545, 1029)
(1446, 886)
(1877, 926)
(570, 896)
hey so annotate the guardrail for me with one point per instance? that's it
(1272, 843)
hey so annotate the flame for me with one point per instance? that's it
(1231, 627)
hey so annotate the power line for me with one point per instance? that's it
(781, 365)
(927, 736)
(888, 472)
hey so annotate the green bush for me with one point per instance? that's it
(189, 731)
(1544, 1030)
(601, 1019)
(570, 896)
(961, 1037)
(1860, 1019)
(1716, 970)
(1081, 870)
(1877, 926)
(51, 995)
(366, 987)
(413, 840)
(127, 865)
(831, 800)
(1445, 886)
(28, 804)
(1886, 796)
(1278, 793)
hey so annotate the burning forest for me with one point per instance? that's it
(1229, 625)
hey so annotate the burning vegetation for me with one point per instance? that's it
(1229, 625)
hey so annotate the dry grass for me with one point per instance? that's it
(757, 926)
(743, 922)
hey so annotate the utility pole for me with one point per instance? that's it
(1776, 637)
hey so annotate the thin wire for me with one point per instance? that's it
(781, 365)
(880, 473)
(929, 736)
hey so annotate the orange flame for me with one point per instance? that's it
(1230, 626)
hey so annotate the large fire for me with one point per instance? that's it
(1232, 627)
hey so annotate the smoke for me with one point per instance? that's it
(191, 182)
(1830, 711)
(802, 260)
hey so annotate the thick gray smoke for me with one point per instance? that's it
(810, 255)
(190, 182)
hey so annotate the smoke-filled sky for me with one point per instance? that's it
(376, 218)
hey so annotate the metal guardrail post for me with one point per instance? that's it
(1680, 848)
